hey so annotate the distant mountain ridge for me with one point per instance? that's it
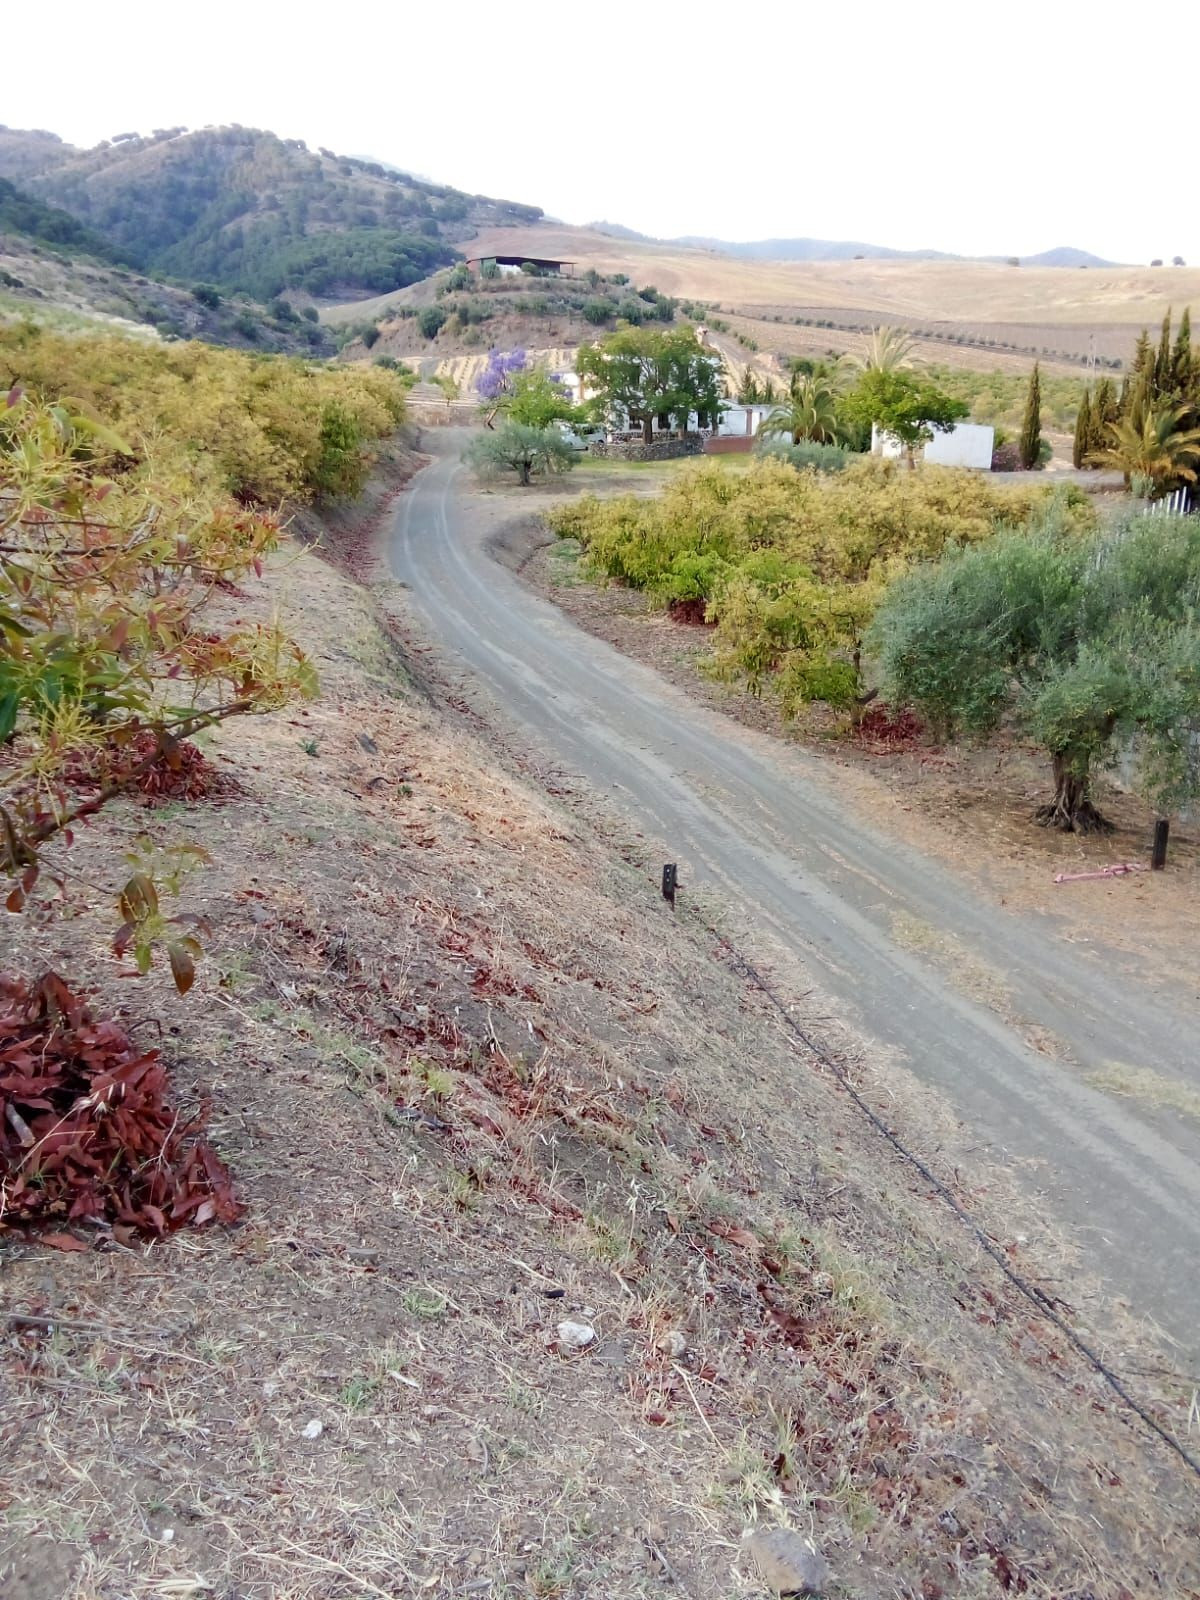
(251, 212)
(844, 250)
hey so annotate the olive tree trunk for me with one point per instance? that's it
(1071, 810)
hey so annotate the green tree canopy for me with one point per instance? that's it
(1087, 646)
(641, 373)
(910, 408)
(536, 400)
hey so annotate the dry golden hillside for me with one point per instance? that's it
(1123, 299)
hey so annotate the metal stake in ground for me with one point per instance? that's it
(670, 883)
(1158, 856)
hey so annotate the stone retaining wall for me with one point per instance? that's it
(638, 450)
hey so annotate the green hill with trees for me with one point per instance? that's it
(23, 214)
(251, 212)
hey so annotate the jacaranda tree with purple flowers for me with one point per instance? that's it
(496, 380)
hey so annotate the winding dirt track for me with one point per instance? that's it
(761, 823)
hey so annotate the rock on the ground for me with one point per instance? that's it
(575, 1335)
(788, 1562)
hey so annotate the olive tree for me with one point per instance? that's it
(1089, 647)
(517, 447)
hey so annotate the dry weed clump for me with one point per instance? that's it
(87, 1134)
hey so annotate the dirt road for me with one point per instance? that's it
(963, 990)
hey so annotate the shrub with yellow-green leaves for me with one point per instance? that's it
(109, 658)
(792, 565)
(263, 428)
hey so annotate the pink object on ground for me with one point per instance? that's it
(1118, 870)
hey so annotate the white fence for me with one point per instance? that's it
(1179, 504)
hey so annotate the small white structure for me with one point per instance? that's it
(967, 444)
(743, 418)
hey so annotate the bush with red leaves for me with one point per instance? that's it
(885, 726)
(86, 1131)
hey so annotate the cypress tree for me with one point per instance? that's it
(1140, 399)
(1182, 370)
(1106, 409)
(1082, 447)
(1031, 427)
(1143, 355)
(1161, 383)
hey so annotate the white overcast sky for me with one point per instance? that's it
(952, 126)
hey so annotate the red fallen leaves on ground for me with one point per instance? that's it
(692, 613)
(182, 772)
(887, 728)
(86, 1129)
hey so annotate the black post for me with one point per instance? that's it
(670, 881)
(1158, 856)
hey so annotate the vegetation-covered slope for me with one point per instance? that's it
(255, 212)
(23, 214)
(263, 429)
(56, 288)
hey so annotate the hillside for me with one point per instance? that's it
(838, 249)
(467, 1104)
(810, 250)
(252, 212)
(32, 219)
(990, 304)
(1066, 255)
(59, 288)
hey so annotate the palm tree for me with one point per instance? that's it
(887, 349)
(836, 372)
(1155, 446)
(809, 412)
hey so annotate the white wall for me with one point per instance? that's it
(968, 444)
(739, 418)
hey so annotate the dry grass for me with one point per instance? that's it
(474, 1078)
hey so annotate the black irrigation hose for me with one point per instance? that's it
(1041, 1302)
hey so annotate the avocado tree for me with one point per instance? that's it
(908, 407)
(1086, 646)
(112, 659)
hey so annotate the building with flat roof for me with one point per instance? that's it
(507, 265)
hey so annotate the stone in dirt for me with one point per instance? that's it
(575, 1335)
(788, 1562)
